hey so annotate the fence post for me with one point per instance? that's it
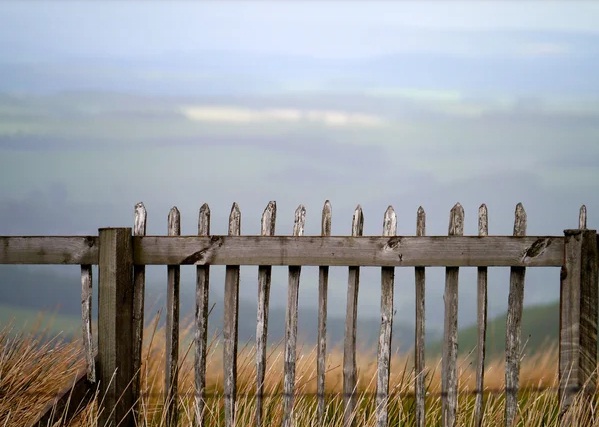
(115, 328)
(578, 322)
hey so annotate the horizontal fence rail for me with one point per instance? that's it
(398, 251)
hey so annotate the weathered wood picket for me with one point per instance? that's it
(122, 255)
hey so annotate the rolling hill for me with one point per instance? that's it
(540, 329)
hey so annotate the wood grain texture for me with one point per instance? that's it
(449, 381)
(267, 228)
(201, 321)
(582, 218)
(291, 326)
(400, 251)
(323, 284)
(350, 371)
(514, 327)
(86, 321)
(139, 284)
(115, 328)
(578, 325)
(171, 382)
(230, 327)
(82, 250)
(420, 321)
(481, 308)
(384, 346)
(569, 343)
(588, 316)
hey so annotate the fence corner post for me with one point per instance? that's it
(578, 324)
(115, 328)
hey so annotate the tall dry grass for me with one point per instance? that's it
(33, 369)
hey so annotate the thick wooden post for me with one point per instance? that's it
(139, 285)
(115, 328)
(578, 322)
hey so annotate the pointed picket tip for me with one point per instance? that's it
(174, 222)
(420, 222)
(390, 222)
(483, 220)
(327, 213)
(582, 218)
(235, 220)
(300, 221)
(139, 227)
(456, 220)
(204, 220)
(269, 217)
(357, 226)
(520, 220)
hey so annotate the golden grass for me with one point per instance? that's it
(32, 372)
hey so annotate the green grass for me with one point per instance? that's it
(27, 321)
(540, 328)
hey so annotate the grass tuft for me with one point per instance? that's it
(33, 368)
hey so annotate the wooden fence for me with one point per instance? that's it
(123, 253)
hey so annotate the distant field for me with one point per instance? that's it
(33, 321)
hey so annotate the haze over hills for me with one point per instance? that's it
(57, 296)
(520, 66)
(539, 322)
(540, 331)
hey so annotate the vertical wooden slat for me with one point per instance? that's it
(264, 278)
(291, 325)
(139, 281)
(201, 319)
(578, 327)
(449, 382)
(172, 328)
(481, 304)
(115, 328)
(86, 319)
(420, 283)
(230, 327)
(384, 346)
(513, 327)
(582, 218)
(323, 284)
(350, 371)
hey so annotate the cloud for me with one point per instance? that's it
(239, 115)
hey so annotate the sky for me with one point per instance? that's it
(105, 104)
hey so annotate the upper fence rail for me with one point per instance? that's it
(395, 251)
